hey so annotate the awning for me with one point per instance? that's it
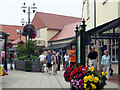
(56, 46)
(104, 27)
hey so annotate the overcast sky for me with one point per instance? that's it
(12, 14)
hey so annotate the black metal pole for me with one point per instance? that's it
(82, 39)
(28, 15)
(76, 32)
(5, 44)
(119, 56)
(29, 33)
(20, 35)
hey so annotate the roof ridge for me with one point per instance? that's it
(60, 15)
(11, 25)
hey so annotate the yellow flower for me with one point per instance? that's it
(106, 73)
(89, 69)
(85, 85)
(103, 73)
(93, 85)
(90, 78)
(96, 79)
(86, 79)
(92, 68)
(92, 75)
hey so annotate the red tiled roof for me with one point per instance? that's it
(54, 21)
(11, 29)
(67, 32)
(23, 38)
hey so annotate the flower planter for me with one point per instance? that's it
(84, 78)
(20, 65)
(36, 66)
(28, 66)
(33, 66)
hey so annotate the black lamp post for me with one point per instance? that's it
(33, 8)
(5, 45)
(80, 31)
(24, 7)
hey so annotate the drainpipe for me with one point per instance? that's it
(94, 13)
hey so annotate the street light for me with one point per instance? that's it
(19, 32)
(33, 8)
(24, 7)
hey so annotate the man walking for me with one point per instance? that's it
(42, 58)
(92, 58)
(72, 55)
(48, 59)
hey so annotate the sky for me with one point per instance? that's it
(11, 12)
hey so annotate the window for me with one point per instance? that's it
(38, 32)
(104, 1)
(88, 13)
(113, 50)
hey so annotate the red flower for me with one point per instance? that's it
(85, 68)
(76, 76)
(76, 69)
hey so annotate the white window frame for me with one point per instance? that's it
(112, 51)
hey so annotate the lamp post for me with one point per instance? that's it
(19, 32)
(33, 8)
(5, 44)
(24, 7)
(80, 31)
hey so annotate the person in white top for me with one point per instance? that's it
(42, 58)
(67, 59)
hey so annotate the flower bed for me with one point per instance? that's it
(85, 78)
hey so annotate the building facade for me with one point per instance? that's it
(96, 14)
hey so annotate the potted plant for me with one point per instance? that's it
(85, 78)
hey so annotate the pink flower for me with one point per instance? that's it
(80, 75)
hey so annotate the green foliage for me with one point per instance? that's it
(24, 49)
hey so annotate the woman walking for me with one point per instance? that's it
(59, 61)
(106, 62)
(55, 61)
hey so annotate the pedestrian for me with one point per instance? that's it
(55, 62)
(59, 61)
(106, 62)
(42, 58)
(72, 55)
(67, 59)
(48, 60)
(3, 58)
(92, 58)
(11, 60)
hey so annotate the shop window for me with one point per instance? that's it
(113, 50)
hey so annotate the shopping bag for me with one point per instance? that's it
(44, 65)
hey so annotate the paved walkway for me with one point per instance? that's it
(21, 79)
